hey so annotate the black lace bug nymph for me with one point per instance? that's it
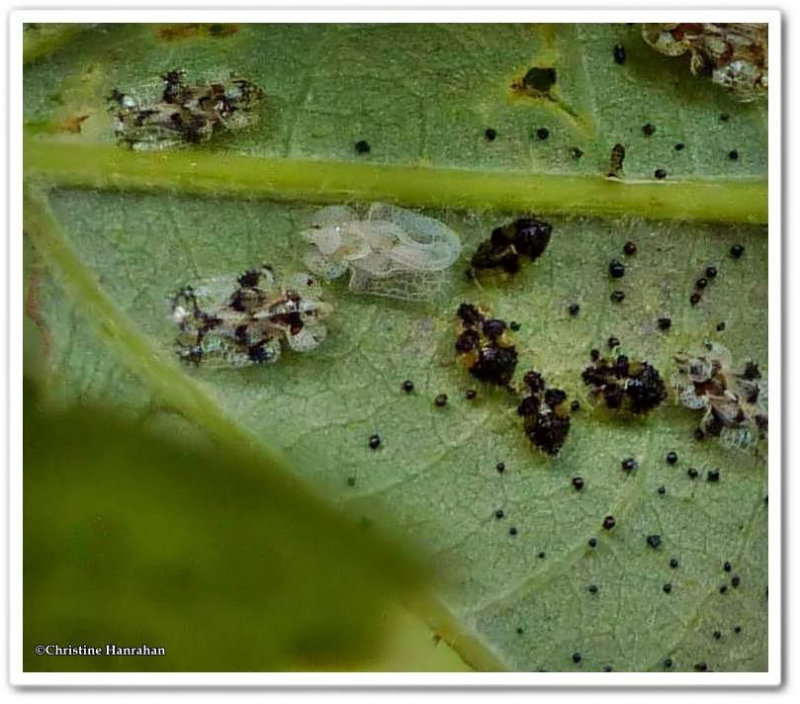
(545, 414)
(508, 244)
(624, 384)
(485, 345)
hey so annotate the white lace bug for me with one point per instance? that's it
(391, 252)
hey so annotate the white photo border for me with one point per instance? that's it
(18, 677)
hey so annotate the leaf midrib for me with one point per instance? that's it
(205, 172)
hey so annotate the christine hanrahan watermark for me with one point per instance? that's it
(98, 650)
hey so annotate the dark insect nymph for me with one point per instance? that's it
(485, 345)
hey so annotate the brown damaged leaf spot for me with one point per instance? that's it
(72, 124)
(176, 32)
(538, 84)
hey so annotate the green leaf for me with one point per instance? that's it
(132, 539)
(133, 227)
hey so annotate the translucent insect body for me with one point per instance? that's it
(182, 113)
(391, 252)
(734, 399)
(245, 321)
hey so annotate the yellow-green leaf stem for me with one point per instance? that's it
(211, 173)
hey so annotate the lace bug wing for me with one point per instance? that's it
(308, 338)
(412, 268)
(425, 244)
(332, 215)
(322, 266)
(402, 285)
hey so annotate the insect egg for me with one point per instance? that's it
(616, 269)
(654, 541)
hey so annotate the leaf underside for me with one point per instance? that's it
(422, 96)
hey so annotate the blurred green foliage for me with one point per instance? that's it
(131, 539)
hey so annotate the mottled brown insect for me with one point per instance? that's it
(734, 398)
(244, 321)
(617, 157)
(733, 55)
(183, 113)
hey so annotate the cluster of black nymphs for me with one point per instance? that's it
(526, 237)
(485, 346)
(545, 414)
(624, 384)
